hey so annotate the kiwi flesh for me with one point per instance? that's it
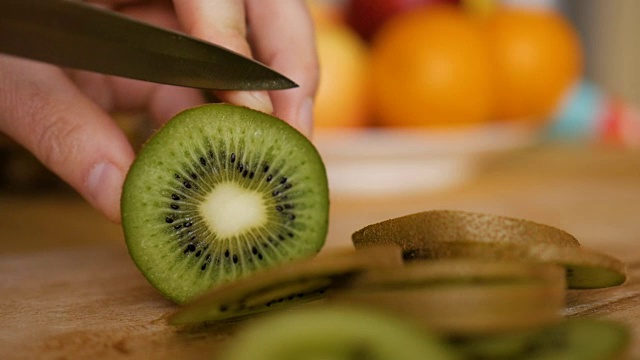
(335, 333)
(463, 296)
(579, 339)
(585, 269)
(290, 284)
(221, 192)
(411, 231)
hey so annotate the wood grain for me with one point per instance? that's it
(68, 289)
(89, 303)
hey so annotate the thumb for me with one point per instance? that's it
(72, 136)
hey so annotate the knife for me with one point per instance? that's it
(77, 35)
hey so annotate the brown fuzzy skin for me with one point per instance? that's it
(411, 231)
(447, 234)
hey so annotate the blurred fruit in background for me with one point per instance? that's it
(342, 98)
(435, 64)
(343, 94)
(480, 7)
(431, 66)
(368, 16)
(449, 84)
(538, 58)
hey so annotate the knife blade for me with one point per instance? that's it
(77, 35)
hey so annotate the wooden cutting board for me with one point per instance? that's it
(92, 303)
(68, 289)
(88, 303)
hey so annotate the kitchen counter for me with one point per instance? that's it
(68, 289)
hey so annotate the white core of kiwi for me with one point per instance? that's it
(230, 210)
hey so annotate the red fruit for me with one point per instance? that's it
(367, 16)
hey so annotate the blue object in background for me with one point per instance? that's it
(579, 115)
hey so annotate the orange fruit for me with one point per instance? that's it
(343, 92)
(538, 58)
(431, 66)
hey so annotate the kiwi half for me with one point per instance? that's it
(218, 193)
(577, 339)
(335, 333)
(411, 231)
(289, 284)
(463, 297)
(585, 269)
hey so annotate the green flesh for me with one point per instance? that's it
(593, 277)
(284, 286)
(221, 192)
(583, 339)
(262, 300)
(585, 269)
(341, 333)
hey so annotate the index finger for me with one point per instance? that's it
(222, 22)
(283, 37)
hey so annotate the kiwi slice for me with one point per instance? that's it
(218, 193)
(335, 333)
(413, 230)
(452, 272)
(585, 269)
(289, 284)
(579, 339)
(463, 297)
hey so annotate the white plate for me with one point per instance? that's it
(381, 162)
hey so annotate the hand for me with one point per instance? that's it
(62, 116)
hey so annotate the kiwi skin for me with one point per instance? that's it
(411, 231)
(182, 258)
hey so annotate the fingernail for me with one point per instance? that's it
(105, 187)
(305, 116)
(258, 100)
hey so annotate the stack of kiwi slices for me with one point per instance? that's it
(493, 285)
(225, 209)
(438, 235)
